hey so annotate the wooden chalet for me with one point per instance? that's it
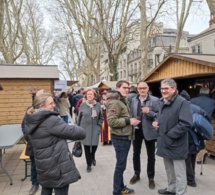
(190, 71)
(15, 81)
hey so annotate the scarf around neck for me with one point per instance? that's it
(94, 113)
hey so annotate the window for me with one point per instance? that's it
(193, 49)
(120, 76)
(124, 74)
(199, 49)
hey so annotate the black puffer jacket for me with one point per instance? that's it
(54, 163)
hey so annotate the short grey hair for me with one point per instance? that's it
(169, 81)
(204, 90)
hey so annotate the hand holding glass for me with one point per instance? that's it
(134, 121)
(155, 124)
(138, 118)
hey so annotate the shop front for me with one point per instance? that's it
(191, 72)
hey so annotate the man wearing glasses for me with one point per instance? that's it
(145, 107)
(174, 121)
(120, 122)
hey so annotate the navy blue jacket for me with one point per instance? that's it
(175, 120)
(206, 103)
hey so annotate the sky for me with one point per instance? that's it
(199, 21)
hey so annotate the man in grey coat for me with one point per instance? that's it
(145, 107)
(174, 121)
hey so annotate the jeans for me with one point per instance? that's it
(121, 147)
(65, 118)
(58, 191)
(33, 171)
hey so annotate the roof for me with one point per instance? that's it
(207, 31)
(29, 71)
(69, 83)
(203, 59)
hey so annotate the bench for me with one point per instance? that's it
(27, 161)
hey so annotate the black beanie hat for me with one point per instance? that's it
(185, 95)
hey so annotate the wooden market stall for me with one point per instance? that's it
(15, 81)
(190, 71)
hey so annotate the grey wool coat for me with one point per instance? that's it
(91, 125)
(54, 162)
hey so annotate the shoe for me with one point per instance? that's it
(94, 162)
(164, 191)
(198, 162)
(88, 169)
(151, 184)
(33, 189)
(134, 179)
(191, 183)
(127, 191)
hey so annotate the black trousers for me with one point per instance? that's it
(190, 164)
(90, 152)
(58, 191)
(150, 149)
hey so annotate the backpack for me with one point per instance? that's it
(202, 126)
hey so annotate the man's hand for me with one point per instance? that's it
(145, 110)
(155, 124)
(134, 121)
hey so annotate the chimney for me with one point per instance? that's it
(212, 21)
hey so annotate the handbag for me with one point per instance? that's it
(77, 149)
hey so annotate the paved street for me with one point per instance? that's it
(99, 181)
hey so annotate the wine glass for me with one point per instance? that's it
(138, 118)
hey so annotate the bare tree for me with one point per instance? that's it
(147, 23)
(77, 21)
(182, 11)
(115, 17)
(211, 5)
(10, 45)
(37, 41)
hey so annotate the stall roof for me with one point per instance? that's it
(29, 71)
(69, 83)
(183, 65)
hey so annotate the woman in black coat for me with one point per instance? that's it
(49, 133)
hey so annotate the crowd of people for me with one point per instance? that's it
(123, 117)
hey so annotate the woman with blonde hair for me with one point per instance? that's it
(90, 118)
(54, 163)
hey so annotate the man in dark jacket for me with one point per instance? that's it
(120, 122)
(131, 94)
(195, 143)
(208, 104)
(144, 106)
(174, 121)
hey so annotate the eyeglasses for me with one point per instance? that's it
(165, 88)
(127, 88)
(142, 88)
